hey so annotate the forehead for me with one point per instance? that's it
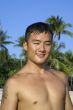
(41, 36)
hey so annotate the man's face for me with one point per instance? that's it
(39, 47)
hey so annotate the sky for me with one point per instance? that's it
(16, 15)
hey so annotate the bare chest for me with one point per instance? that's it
(37, 89)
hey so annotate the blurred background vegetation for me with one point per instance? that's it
(63, 61)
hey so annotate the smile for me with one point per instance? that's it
(40, 55)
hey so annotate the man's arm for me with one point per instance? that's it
(9, 97)
(68, 103)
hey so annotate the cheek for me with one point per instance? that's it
(31, 48)
(48, 49)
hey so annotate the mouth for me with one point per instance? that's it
(41, 55)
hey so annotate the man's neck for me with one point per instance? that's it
(35, 68)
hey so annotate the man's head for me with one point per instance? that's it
(38, 41)
(37, 28)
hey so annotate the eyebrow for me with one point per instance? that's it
(35, 40)
(39, 40)
(48, 41)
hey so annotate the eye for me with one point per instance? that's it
(48, 43)
(36, 43)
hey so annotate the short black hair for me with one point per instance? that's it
(38, 27)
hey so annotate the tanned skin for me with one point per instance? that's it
(35, 87)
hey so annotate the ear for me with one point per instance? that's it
(25, 46)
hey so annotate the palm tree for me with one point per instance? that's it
(59, 60)
(56, 55)
(3, 40)
(19, 43)
(58, 26)
(69, 55)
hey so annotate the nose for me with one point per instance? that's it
(42, 48)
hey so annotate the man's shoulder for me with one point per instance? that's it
(11, 82)
(17, 78)
(59, 74)
(10, 86)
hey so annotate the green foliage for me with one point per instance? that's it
(61, 61)
(58, 26)
(3, 40)
(20, 41)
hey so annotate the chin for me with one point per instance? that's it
(40, 62)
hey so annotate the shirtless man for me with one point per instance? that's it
(36, 87)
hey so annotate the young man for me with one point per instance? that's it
(36, 87)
